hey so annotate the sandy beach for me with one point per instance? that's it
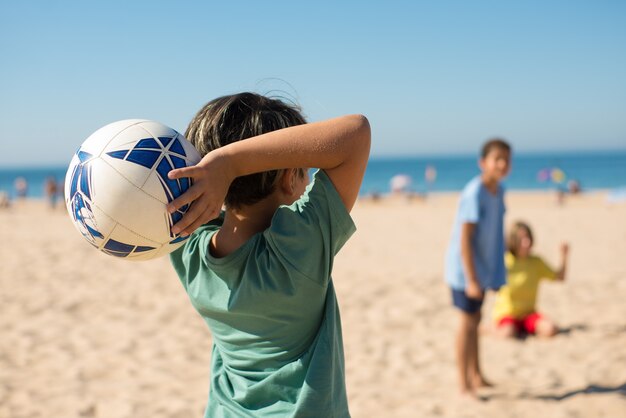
(83, 334)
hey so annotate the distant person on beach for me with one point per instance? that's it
(5, 201)
(21, 187)
(430, 176)
(259, 273)
(475, 257)
(51, 190)
(515, 312)
(573, 186)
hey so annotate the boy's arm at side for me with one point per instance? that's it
(472, 287)
(340, 146)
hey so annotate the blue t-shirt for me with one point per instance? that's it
(271, 307)
(479, 206)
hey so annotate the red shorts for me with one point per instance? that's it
(527, 324)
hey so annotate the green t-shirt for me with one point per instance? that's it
(272, 311)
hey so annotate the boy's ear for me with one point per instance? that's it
(288, 181)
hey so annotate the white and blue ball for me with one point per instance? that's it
(116, 188)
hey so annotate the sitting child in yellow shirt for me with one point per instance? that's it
(514, 310)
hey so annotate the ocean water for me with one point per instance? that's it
(593, 170)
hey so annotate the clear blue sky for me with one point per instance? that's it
(433, 77)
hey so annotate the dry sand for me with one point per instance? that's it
(85, 335)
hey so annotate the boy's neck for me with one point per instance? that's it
(240, 225)
(490, 183)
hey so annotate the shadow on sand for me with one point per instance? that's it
(572, 328)
(562, 331)
(590, 389)
(621, 390)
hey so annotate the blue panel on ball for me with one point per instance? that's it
(147, 143)
(179, 239)
(83, 156)
(176, 216)
(165, 140)
(74, 181)
(85, 175)
(177, 148)
(94, 233)
(118, 154)
(184, 183)
(117, 246)
(144, 157)
(171, 187)
(178, 162)
(141, 249)
(84, 219)
(164, 168)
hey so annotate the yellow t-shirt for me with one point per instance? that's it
(518, 297)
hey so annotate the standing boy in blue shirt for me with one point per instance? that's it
(260, 273)
(475, 257)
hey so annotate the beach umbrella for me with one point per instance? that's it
(400, 182)
(557, 175)
(543, 175)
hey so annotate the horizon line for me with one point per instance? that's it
(384, 156)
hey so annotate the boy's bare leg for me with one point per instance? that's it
(467, 327)
(476, 378)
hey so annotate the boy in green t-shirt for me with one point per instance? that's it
(259, 272)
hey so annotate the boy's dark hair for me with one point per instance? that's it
(512, 242)
(494, 143)
(235, 117)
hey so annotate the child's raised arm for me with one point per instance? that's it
(560, 274)
(339, 146)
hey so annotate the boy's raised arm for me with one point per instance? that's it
(340, 146)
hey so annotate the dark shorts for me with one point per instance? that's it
(461, 301)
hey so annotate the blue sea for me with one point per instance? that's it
(593, 170)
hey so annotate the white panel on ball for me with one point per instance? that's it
(135, 174)
(128, 137)
(128, 204)
(156, 129)
(101, 139)
(153, 186)
(139, 247)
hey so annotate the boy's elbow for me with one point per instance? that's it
(362, 129)
(363, 125)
